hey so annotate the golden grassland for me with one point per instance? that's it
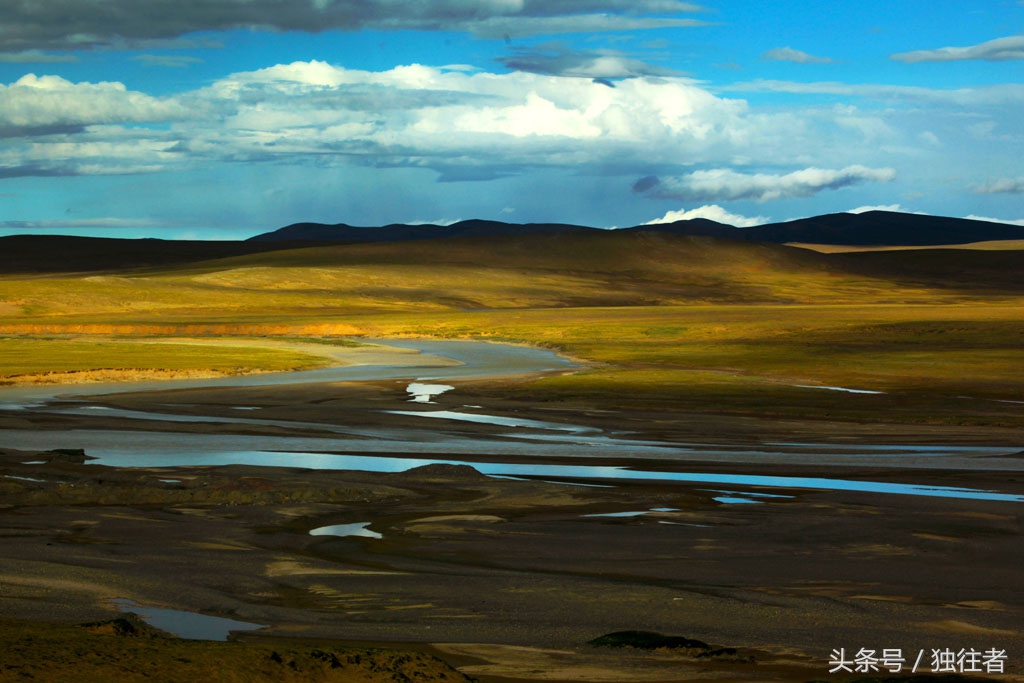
(79, 360)
(657, 317)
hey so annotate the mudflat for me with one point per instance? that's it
(512, 579)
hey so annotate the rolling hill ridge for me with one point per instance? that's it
(872, 228)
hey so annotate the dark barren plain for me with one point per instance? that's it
(694, 355)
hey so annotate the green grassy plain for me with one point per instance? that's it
(62, 359)
(700, 323)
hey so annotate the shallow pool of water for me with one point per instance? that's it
(736, 500)
(191, 625)
(423, 393)
(356, 529)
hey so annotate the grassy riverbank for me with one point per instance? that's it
(702, 324)
(28, 360)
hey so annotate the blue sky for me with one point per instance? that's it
(221, 119)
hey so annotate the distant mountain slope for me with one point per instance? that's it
(70, 254)
(53, 253)
(872, 228)
(341, 232)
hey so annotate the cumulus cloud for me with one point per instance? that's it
(726, 185)
(83, 24)
(112, 151)
(466, 125)
(1000, 49)
(788, 54)
(34, 103)
(423, 115)
(711, 212)
(1002, 186)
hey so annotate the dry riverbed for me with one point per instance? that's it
(508, 579)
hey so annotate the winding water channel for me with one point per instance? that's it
(398, 448)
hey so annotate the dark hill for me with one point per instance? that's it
(883, 228)
(872, 228)
(69, 254)
(341, 232)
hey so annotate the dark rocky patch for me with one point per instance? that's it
(648, 640)
(443, 471)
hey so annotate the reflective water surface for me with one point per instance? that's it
(191, 625)
(356, 529)
(385, 448)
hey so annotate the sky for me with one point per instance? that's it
(222, 119)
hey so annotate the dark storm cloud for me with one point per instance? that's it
(83, 24)
(646, 183)
(556, 59)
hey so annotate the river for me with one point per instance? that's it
(389, 448)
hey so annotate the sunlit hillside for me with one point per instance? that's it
(338, 282)
(705, 323)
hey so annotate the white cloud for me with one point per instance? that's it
(711, 212)
(425, 116)
(788, 54)
(1000, 49)
(1018, 221)
(467, 125)
(725, 184)
(48, 101)
(1002, 185)
(94, 150)
(464, 125)
(888, 207)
